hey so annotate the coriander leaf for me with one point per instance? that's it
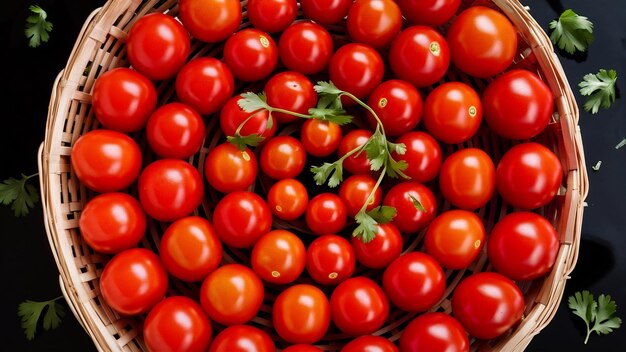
(598, 316)
(22, 195)
(336, 116)
(383, 214)
(600, 88)
(621, 144)
(596, 167)
(571, 32)
(252, 102)
(242, 142)
(30, 311)
(37, 28)
(417, 204)
(605, 321)
(327, 88)
(376, 150)
(399, 148)
(366, 231)
(334, 171)
(395, 168)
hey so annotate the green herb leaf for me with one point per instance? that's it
(30, 312)
(605, 320)
(376, 150)
(37, 28)
(252, 102)
(600, 89)
(571, 32)
(383, 214)
(327, 88)
(242, 142)
(417, 204)
(22, 195)
(337, 116)
(333, 170)
(598, 316)
(366, 230)
(399, 148)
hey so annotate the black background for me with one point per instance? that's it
(28, 268)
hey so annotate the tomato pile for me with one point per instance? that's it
(346, 137)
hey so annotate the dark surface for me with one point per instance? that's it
(28, 268)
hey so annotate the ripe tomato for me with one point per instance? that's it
(455, 238)
(409, 219)
(356, 164)
(434, 331)
(175, 131)
(232, 116)
(288, 199)
(326, 11)
(205, 84)
(326, 213)
(382, 250)
(423, 156)
(170, 189)
(523, 246)
(397, 104)
(305, 47)
(429, 12)
(232, 294)
(242, 338)
(177, 324)
(320, 138)
(467, 178)
(157, 46)
(518, 105)
(240, 218)
(330, 260)
(283, 157)
(123, 99)
(302, 348)
(290, 91)
(420, 56)
(414, 282)
(354, 192)
(359, 306)
(106, 161)
(357, 69)
(133, 281)
(272, 16)
(453, 112)
(228, 169)
(301, 314)
(368, 343)
(278, 257)
(210, 20)
(529, 176)
(251, 55)
(189, 249)
(112, 222)
(374, 22)
(487, 304)
(482, 41)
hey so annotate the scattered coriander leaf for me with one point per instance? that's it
(383, 214)
(333, 172)
(600, 88)
(21, 195)
(37, 27)
(399, 148)
(366, 230)
(252, 102)
(598, 316)
(605, 319)
(621, 144)
(337, 116)
(416, 203)
(571, 32)
(596, 167)
(395, 168)
(376, 150)
(323, 87)
(30, 312)
(242, 142)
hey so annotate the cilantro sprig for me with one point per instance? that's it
(599, 316)
(37, 27)
(21, 195)
(599, 89)
(571, 32)
(30, 312)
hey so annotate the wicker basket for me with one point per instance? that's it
(100, 47)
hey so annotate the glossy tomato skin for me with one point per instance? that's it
(278, 257)
(453, 112)
(106, 161)
(326, 11)
(242, 338)
(359, 306)
(240, 218)
(482, 41)
(228, 169)
(409, 219)
(283, 157)
(467, 178)
(523, 246)
(112, 222)
(170, 189)
(205, 84)
(330, 260)
(518, 105)
(232, 294)
(423, 156)
(210, 20)
(429, 12)
(123, 99)
(487, 304)
(529, 176)
(320, 138)
(420, 56)
(414, 282)
(382, 250)
(326, 213)
(305, 47)
(232, 115)
(356, 164)
(177, 324)
(190, 249)
(133, 281)
(288, 199)
(436, 332)
(370, 343)
(175, 130)
(357, 69)
(455, 238)
(272, 16)
(355, 190)
(157, 46)
(374, 22)
(291, 91)
(251, 55)
(302, 348)
(301, 314)
(397, 104)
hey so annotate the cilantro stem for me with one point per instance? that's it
(240, 127)
(287, 112)
(29, 177)
(373, 192)
(379, 123)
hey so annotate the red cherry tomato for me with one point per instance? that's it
(240, 218)
(302, 348)
(242, 338)
(382, 250)
(487, 304)
(420, 56)
(189, 249)
(410, 219)
(320, 138)
(177, 324)
(290, 91)
(278, 257)
(232, 294)
(112, 222)
(326, 213)
(529, 176)
(272, 16)
(157, 46)
(210, 20)
(251, 55)
(175, 130)
(228, 169)
(374, 22)
(288, 199)
(356, 164)
(423, 156)
(429, 12)
(232, 116)
(523, 246)
(330, 260)
(397, 104)
(370, 343)
(467, 178)
(133, 281)
(326, 11)
(283, 157)
(123, 99)
(205, 84)
(170, 189)
(357, 69)
(434, 331)
(414, 282)
(355, 190)
(359, 306)
(305, 47)
(482, 41)
(106, 161)
(301, 314)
